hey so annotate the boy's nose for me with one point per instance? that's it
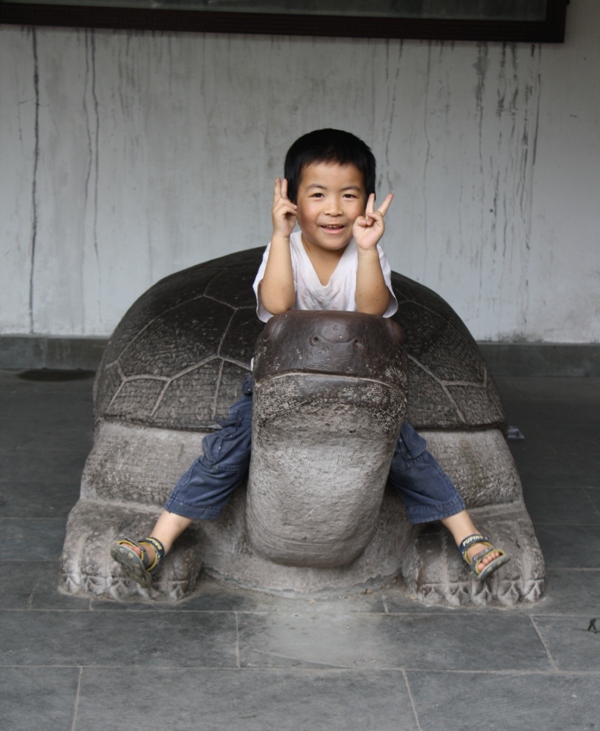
(333, 208)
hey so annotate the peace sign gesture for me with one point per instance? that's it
(368, 229)
(284, 211)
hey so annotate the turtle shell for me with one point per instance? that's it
(179, 355)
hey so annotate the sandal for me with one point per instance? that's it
(474, 562)
(139, 568)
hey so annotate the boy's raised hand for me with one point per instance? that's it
(368, 229)
(284, 211)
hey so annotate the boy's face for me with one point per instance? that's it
(330, 198)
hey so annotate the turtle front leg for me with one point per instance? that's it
(482, 467)
(436, 574)
(88, 568)
(126, 479)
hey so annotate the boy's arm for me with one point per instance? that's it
(276, 291)
(372, 295)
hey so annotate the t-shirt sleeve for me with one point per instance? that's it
(263, 314)
(386, 269)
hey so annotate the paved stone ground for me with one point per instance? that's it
(242, 661)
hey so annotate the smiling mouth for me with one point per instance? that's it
(333, 227)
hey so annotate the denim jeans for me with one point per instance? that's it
(204, 490)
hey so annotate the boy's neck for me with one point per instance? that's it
(324, 261)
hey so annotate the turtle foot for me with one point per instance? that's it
(88, 568)
(435, 573)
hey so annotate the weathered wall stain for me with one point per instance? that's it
(36, 158)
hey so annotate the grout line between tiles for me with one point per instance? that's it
(77, 695)
(32, 595)
(543, 641)
(412, 700)
(442, 612)
(237, 640)
(321, 669)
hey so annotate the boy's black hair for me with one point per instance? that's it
(328, 145)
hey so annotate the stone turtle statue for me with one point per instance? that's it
(176, 363)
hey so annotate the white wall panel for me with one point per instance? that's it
(127, 156)
(18, 112)
(565, 225)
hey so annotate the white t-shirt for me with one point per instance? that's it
(338, 294)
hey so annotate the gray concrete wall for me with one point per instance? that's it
(127, 156)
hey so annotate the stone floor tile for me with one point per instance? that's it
(30, 539)
(40, 461)
(594, 494)
(547, 468)
(570, 546)
(572, 646)
(50, 421)
(169, 639)
(13, 381)
(245, 700)
(34, 585)
(566, 505)
(548, 460)
(560, 421)
(18, 582)
(548, 389)
(36, 699)
(458, 641)
(37, 499)
(505, 702)
(569, 591)
(35, 412)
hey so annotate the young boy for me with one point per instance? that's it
(334, 262)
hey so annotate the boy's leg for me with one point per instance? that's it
(426, 490)
(429, 494)
(167, 529)
(204, 490)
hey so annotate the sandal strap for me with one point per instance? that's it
(474, 562)
(493, 565)
(482, 554)
(469, 541)
(159, 553)
(130, 543)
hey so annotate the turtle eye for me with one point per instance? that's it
(315, 340)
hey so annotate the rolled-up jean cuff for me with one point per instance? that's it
(188, 511)
(429, 514)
